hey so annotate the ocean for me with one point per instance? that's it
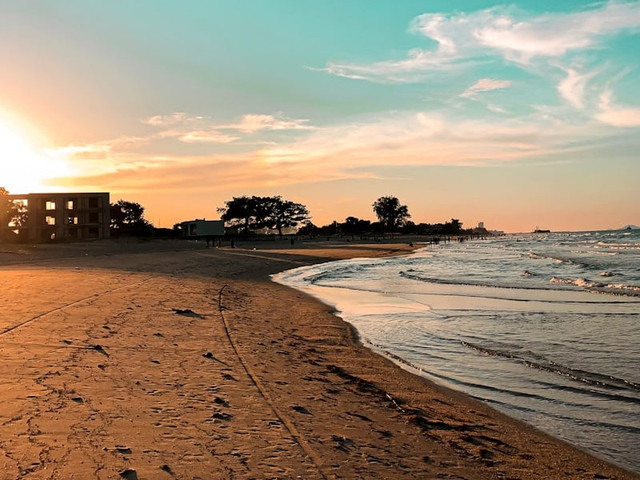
(543, 327)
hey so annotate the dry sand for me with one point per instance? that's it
(169, 360)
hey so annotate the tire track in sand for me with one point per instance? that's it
(287, 422)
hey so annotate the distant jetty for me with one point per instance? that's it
(541, 230)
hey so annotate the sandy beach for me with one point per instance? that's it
(170, 360)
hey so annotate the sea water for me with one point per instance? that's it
(544, 327)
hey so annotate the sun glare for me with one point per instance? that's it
(23, 169)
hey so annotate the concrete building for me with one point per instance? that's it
(201, 229)
(63, 216)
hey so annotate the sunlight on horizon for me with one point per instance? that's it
(23, 167)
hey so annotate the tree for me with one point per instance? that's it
(390, 213)
(279, 213)
(354, 226)
(128, 217)
(309, 229)
(6, 206)
(241, 211)
(258, 212)
(12, 214)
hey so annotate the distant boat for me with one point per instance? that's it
(541, 230)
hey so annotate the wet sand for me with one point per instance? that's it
(170, 360)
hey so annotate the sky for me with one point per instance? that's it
(519, 115)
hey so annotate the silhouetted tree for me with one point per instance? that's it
(6, 206)
(329, 229)
(257, 212)
(452, 228)
(241, 211)
(355, 226)
(279, 213)
(12, 214)
(128, 217)
(309, 229)
(390, 213)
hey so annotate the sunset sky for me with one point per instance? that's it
(516, 114)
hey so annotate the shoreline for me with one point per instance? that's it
(425, 374)
(208, 398)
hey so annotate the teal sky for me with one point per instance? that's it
(516, 114)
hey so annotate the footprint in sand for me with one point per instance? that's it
(187, 313)
(301, 409)
(99, 349)
(343, 443)
(129, 474)
(222, 416)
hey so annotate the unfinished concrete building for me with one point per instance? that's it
(63, 216)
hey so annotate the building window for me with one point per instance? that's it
(93, 202)
(71, 220)
(50, 205)
(50, 220)
(70, 204)
(93, 217)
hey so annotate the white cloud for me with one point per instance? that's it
(572, 88)
(206, 136)
(198, 129)
(421, 139)
(351, 150)
(616, 115)
(175, 119)
(502, 31)
(553, 35)
(251, 123)
(496, 108)
(485, 85)
(79, 151)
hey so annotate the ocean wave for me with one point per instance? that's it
(538, 256)
(618, 246)
(599, 287)
(532, 360)
(338, 272)
(583, 283)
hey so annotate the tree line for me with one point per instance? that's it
(249, 214)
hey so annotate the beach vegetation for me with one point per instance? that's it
(279, 213)
(128, 218)
(391, 213)
(354, 226)
(253, 213)
(309, 230)
(242, 212)
(13, 214)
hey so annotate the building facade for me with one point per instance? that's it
(201, 229)
(63, 216)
